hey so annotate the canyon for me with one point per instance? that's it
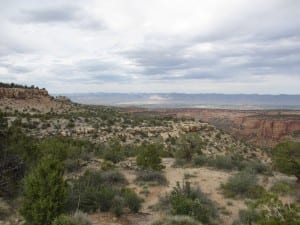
(259, 127)
(264, 128)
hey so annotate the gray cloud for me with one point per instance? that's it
(49, 15)
(112, 43)
(61, 14)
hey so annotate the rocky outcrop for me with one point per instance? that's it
(31, 100)
(22, 93)
(260, 127)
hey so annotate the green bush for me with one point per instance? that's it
(243, 184)
(118, 205)
(248, 216)
(114, 152)
(87, 191)
(281, 187)
(154, 177)
(177, 220)
(223, 162)
(104, 191)
(200, 160)
(185, 200)
(187, 146)
(132, 201)
(44, 193)
(273, 212)
(107, 165)
(286, 158)
(148, 157)
(113, 177)
(256, 166)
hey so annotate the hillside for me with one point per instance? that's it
(102, 150)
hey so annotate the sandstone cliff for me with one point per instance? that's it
(22, 93)
(30, 100)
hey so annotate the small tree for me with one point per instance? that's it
(148, 157)
(286, 158)
(44, 193)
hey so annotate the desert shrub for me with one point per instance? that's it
(243, 184)
(107, 165)
(177, 220)
(281, 187)
(71, 165)
(273, 212)
(65, 148)
(269, 210)
(256, 166)
(113, 177)
(104, 191)
(200, 160)
(286, 158)
(247, 216)
(223, 162)
(44, 193)
(154, 177)
(132, 201)
(185, 200)
(187, 146)
(114, 151)
(118, 205)
(63, 220)
(130, 150)
(98, 178)
(148, 157)
(81, 218)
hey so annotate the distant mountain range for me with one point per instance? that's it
(180, 100)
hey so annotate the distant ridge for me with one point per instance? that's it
(181, 100)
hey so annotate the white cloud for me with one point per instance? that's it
(234, 46)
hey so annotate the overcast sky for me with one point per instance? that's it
(193, 46)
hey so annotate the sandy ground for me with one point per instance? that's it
(207, 179)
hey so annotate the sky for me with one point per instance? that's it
(155, 46)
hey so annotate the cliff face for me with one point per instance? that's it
(264, 131)
(22, 93)
(31, 100)
(259, 127)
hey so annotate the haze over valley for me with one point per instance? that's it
(177, 100)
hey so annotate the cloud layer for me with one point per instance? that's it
(234, 46)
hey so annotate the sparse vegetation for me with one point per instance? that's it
(96, 147)
(44, 193)
(79, 218)
(97, 190)
(243, 184)
(269, 210)
(186, 200)
(286, 158)
(177, 220)
(149, 157)
(151, 176)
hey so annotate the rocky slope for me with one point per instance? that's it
(30, 100)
